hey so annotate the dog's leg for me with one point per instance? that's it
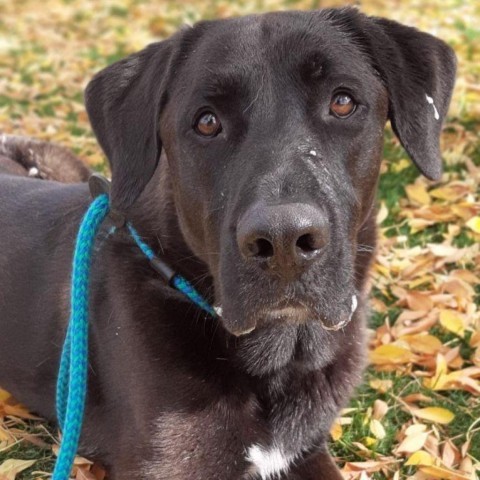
(319, 466)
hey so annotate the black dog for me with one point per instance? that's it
(271, 128)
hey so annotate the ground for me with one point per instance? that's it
(417, 414)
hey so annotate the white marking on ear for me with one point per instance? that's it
(269, 463)
(218, 310)
(33, 172)
(313, 153)
(435, 111)
(354, 303)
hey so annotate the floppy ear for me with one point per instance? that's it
(123, 102)
(419, 73)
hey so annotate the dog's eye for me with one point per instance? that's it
(208, 125)
(342, 105)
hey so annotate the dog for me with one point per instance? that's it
(27, 157)
(246, 152)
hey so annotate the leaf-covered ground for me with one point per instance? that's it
(417, 414)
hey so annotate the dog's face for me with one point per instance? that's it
(273, 125)
(273, 133)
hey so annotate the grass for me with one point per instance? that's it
(48, 52)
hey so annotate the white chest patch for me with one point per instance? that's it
(269, 463)
(431, 102)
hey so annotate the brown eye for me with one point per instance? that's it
(342, 105)
(208, 125)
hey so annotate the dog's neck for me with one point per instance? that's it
(154, 215)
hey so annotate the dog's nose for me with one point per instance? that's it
(283, 237)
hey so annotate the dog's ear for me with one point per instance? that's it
(123, 102)
(419, 73)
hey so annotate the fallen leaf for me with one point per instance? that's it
(434, 414)
(474, 224)
(419, 301)
(377, 429)
(423, 343)
(11, 467)
(451, 321)
(417, 194)
(390, 354)
(420, 458)
(336, 431)
(381, 386)
(443, 473)
(412, 443)
(380, 409)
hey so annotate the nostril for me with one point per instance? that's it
(309, 243)
(260, 247)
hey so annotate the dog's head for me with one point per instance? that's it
(272, 125)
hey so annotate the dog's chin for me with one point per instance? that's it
(290, 340)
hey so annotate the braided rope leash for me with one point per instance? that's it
(73, 371)
(72, 379)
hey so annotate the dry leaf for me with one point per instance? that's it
(390, 354)
(434, 414)
(443, 473)
(381, 386)
(377, 429)
(417, 194)
(412, 443)
(380, 409)
(474, 224)
(420, 458)
(11, 467)
(336, 431)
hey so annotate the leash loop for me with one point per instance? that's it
(73, 371)
(72, 379)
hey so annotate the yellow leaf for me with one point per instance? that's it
(336, 431)
(434, 414)
(443, 473)
(402, 164)
(4, 395)
(474, 224)
(19, 411)
(420, 343)
(450, 193)
(420, 458)
(452, 322)
(417, 194)
(438, 381)
(11, 467)
(386, 354)
(369, 441)
(382, 386)
(377, 429)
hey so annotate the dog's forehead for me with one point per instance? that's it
(247, 49)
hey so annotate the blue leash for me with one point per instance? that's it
(73, 371)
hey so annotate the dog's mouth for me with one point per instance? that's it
(295, 313)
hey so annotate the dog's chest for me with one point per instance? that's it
(225, 442)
